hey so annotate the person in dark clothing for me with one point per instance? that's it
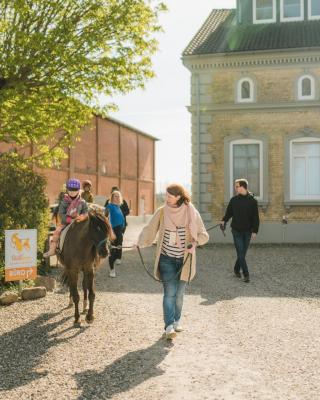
(243, 209)
(124, 207)
(86, 193)
(55, 211)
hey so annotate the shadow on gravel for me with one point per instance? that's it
(124, 373)
(275, 271)
(22, 349)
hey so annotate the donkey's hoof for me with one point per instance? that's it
(77, 322)
(85, 310)
(89, 320)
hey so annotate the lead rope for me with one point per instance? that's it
(160, 280)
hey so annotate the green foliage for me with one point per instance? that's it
(58, 56)
(23, 204)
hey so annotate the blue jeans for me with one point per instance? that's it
(241, 243)
(173, 290)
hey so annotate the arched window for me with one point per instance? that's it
(306, 87)
(245, 90)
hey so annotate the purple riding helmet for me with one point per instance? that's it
(73, 184)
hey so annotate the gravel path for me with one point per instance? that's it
(241, 341)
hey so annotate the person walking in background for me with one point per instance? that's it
(113, 210)
(243, 209)
(86, 193)
(179, 226)
(124, 207)
(59, 200)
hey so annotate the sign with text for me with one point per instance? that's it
(20, 254)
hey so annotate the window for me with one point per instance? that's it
(291, 10)
(264, 11)
(314, 9)
(305, 169)
(245, 90)
(306, 87)
(246, 161)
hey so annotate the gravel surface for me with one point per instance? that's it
(241, 341)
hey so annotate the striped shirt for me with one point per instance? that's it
(173, 250)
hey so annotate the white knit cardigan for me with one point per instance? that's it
(156, 226)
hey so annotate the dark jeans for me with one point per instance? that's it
(173, 289)
(116, 254)
(241, 243)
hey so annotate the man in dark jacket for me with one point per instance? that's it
(243, 209)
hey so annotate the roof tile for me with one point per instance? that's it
(221, 34)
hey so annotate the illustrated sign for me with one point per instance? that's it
(20, 254)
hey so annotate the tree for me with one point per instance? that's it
(58, 56)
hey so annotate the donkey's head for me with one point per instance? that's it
(100, 229)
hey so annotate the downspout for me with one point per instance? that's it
(197, 81)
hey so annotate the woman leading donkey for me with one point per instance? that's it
(180, 230)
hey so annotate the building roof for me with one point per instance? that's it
(132, 128)
(221, 34)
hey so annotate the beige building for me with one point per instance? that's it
(255, 91)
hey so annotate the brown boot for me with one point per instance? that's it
(52, 249)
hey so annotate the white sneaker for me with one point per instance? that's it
(118, 261)
(170, 332)
(177, 327)
(112, 273)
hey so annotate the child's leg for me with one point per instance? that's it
(54, 241)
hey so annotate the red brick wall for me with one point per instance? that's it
(56, 179)
(109, 154)
(129, 162)
(146, 158)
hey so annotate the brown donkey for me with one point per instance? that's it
(84, 244)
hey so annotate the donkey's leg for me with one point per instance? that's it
(70, 299)
(90, 281)
(85, 293)
(75, 296)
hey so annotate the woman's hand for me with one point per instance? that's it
(191, 248)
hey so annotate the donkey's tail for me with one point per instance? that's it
(64, 279)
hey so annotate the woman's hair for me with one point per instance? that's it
(178, 190)
(112, 196)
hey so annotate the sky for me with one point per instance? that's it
(160, 110)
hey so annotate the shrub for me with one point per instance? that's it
(23, 203)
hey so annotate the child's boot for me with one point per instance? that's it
(52, 249)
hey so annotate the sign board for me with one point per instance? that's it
(20, 254)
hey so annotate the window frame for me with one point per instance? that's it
(251, 99)
(261, 165)
(312, 96)
(292, 197)
(289, 19)
(311, 17)
(264, 21)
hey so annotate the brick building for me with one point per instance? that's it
(110, 153)
(255, 113)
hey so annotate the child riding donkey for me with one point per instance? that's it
(72, 208)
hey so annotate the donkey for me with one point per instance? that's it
(84, 244)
